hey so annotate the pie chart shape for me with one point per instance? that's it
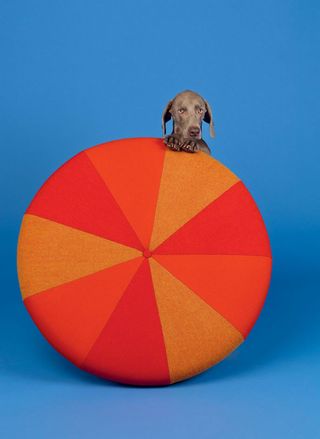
(143, 265)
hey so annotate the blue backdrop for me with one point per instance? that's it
(78, 73)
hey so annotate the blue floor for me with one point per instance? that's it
(269, 387)
(79, 73)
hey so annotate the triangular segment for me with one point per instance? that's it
(130, 349)
(72, 315)
(196, 336)
(131, 168)
(76, 196)
(50, 254)
(230, 225)
(189, 183)
(235, 286)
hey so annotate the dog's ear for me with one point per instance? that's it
(166, 116)
(208, 118)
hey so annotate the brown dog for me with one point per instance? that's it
(187, 110)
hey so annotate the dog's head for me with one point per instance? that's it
(187, 110)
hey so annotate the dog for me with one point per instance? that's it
(187, 110)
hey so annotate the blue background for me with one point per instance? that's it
(78, 73)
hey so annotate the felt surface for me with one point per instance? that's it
(72, 315)
(189, 183)
(75, 195)
(196, 336)
(132, 172)
(94, 229)
(130, 349)
(50, 254)
(235, 286)
(232, 225)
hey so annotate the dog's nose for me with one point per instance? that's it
(194, 131)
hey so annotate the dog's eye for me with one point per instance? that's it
(181, 110)
(200, 110)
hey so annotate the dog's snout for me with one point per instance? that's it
(194, 131)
